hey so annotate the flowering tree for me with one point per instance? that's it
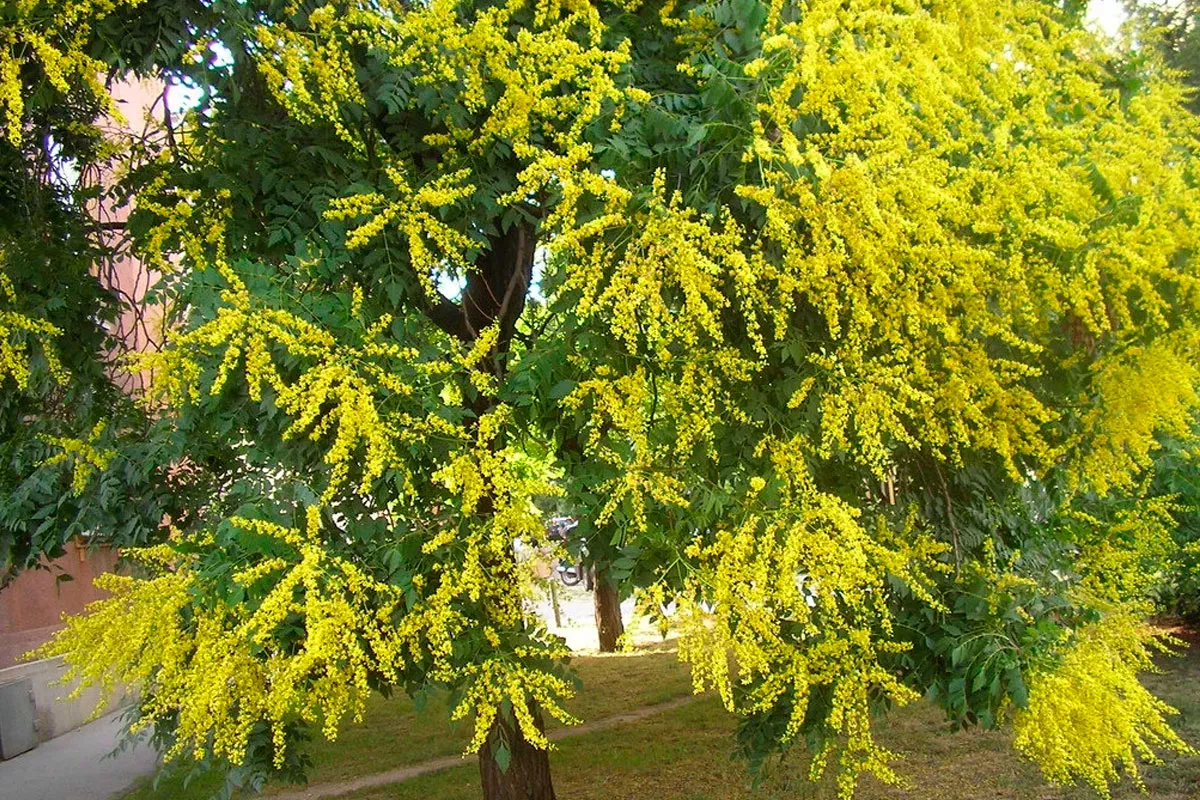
(1173, 33)
(850, 326)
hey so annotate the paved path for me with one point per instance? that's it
(74, 766)
(327, 790)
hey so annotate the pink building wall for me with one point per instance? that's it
(140, 327)
(32, 605)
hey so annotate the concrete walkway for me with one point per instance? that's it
(74, 766)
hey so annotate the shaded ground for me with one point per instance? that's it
(683, 753)
(386, 779)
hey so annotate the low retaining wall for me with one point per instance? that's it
(56, 715)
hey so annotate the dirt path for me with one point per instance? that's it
(341, 788)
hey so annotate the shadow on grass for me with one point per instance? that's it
(685, 753)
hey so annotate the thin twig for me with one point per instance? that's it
(950, 514)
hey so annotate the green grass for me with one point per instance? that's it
(684, 753)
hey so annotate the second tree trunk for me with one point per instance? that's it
(608, 612)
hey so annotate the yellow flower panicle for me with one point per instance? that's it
(413, 214)
(336, 399)
(215, 670)
(1141, 393)
(85, 456)
(1089, 718)
(928, 229)
(788, 602)
(534, 92)
(16, 332)
(59, 48)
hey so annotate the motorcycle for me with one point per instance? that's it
(559, 530)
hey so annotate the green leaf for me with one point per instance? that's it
(562, 389)
(1017, 689)
(503, 756)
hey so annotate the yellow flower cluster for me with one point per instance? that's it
(676, 251)
(916, 221)
(533, 91)
(218, 669)
(85, 457)
(188, 222)
(340, 395)
(1089, 718)
(622, 406)
(496, 681)
(1140, 393)
(794, 597)
(662, 294)
(486, 472)
(414, 214)
(337, 396)
(60, 49)
(1121, 559)
(16, 330)
(926, 193)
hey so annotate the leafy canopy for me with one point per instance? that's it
(852, 326)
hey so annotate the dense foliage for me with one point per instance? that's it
(1166, 36)
(1169, 31)
(854, 327)
(75, 459)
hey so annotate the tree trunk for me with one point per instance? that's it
(528, 773)
(608, 612)
(553, 600)
(495, 292)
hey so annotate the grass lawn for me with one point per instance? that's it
(684, 753)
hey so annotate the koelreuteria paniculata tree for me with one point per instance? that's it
(852, 326)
